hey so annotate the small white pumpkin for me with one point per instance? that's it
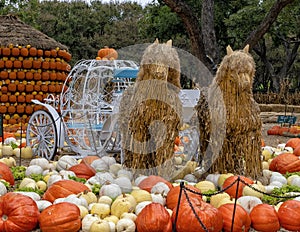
(109, 160)
(105, 200)
(9, 161)
(7, 150)
(114, 168)
(248, 202)
(42, 204)
(101, 209)
(205, 186)
(27, 181)
(42, 162)
(139, 179)
(140, 206)
(296, 181)
(3, 189)
(65, 162)
(87, 221)
(158, 198)
(213, 178)
(111, 190)
(33, 169)
(104, 178)
(131, 216)
(126, 224)
(100, 165)
(161, 188)
(126, 173)
(124, 183)
(33, 195)
(112, 218)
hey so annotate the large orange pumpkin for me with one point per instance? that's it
(18, 213)
(242, 220)
(186, 221)
(173, 195)
(152, 180)
(297, 151)
(285, 162)
(89, 159)
(108, 53)
(154, 217)
(64, 188)
(289, 215)
(83, 170)
(293, 142)
(264, 218)
(62, 216)
(5, 172)
(232, 191)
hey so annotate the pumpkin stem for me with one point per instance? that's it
(4, 217)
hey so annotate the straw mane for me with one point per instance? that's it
(228, 108)
(14, 31)
(150, 113)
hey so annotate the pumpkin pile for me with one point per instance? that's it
(98, 194)
(282, 130)
(107, 53)
(27, 73)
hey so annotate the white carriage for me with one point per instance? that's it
(84, 115)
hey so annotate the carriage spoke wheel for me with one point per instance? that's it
(41, 134)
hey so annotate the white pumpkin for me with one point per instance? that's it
(213, 178)
(126, 224)
(158, 198)
(161, 188)
(248, 202)
(101, 209)
(7, 150)
(87, 222)
(140, 206)
(124, 183)
(90, 197)
(42, 162)
(100, 165)
(111, 190)
(104, 178)
(109, 160)
(112, 218)
(9, 161)
(53, 178)
(105, 200)
(131, 216)
(126, 173)
(41, 185)
(215, 199)
(296, 181)
(279, 178)
(139, 179)
(27, 182)
(141, 195)
(32, 195)
(290, 178)
(83, 211)
(65, 162)
(33, 169)
(65, 174)
(3, 189)
(114, 168)
(42, 204)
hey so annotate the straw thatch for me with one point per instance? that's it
(150, 113)
(14, 31)
(230, 126)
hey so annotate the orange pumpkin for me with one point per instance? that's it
(83, 170)
(210, 217)
(154, 217)
(293, 142)
(152, 180)
(24, 52)
(173, 195)
(9, 64)
(12, 76)
(264, 218)
(2, 63)
(6, 51)
(17, 64)
(242, 220)
(108, 53)
(32, 51)
(15, 51)
(289, 215)
(5, 172)
(3, 75)
(63, 188)
(285, 162)
(89, 159)
(233, 191)
(18, 213)
(297, 151)
(62, 216)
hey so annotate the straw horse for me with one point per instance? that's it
(150, 113)
(228, 109)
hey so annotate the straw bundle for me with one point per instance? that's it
(150, 113)
(229, 122)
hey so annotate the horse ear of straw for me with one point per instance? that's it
(246, 48)
(229, 50)
(169, 43)
(156, 41)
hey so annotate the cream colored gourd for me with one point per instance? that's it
(7, 150)
(100, 225)
(222, 178)
(26, 152)
(141, 195)
(131, 216)
(251, 190)
(178, 160)
(225, 201)
(89, 196)
(290, 178)
(120, 206)
(87, 222)
(205, 186)
(41, 185)
(83, 211)
(126, 224)
(112, 218)
(27, 182)
(215, 199)
(9, 161)
(266, 154)
(105, 200)
(265, 165)
(101, 209)
(129, 198)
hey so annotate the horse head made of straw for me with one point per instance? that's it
(238, 68)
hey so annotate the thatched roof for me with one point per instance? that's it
(14, 31)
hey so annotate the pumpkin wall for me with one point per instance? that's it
(26, 73)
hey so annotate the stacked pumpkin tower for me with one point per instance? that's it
(29, 69)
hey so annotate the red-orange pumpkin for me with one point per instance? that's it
(285, 162)
(89, 159)
(242, 220)
(264, 218)
(83, 170)
(210, 216)
(232, 190)
(293, 142)
(6, 173)
(289, 215)
(152, 180)
(108, 53)
(18, 213)
(15, 51)
(154, 217)
(173, 195)
(62, 216)
(297, 151)
(63, 188)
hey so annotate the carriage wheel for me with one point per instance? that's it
(41, 134)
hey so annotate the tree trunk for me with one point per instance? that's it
(191, 23)
(267, 22)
